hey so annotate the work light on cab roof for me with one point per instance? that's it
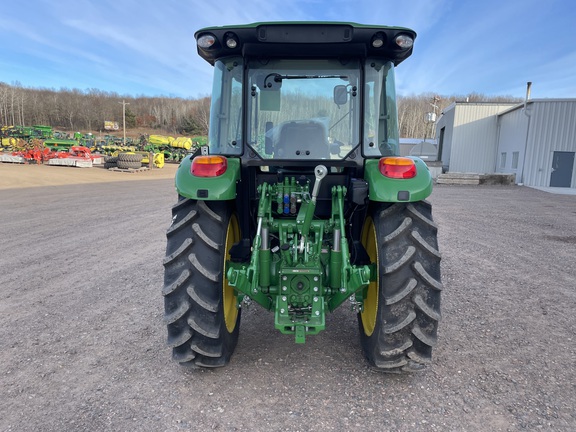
(206, 41)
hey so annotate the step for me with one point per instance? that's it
(475, 179)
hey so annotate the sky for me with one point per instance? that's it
(147, 48)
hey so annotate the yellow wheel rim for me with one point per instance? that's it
(369, 313)
(229, 298)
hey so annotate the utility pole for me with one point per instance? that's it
(124, 118)
(430, 117)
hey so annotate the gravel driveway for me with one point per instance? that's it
(83, 343)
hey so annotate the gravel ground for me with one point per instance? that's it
(83, 343)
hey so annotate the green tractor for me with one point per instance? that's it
(299, 202)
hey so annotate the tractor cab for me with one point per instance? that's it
(301, 92)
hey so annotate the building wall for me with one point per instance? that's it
(512, 133)
(552, 128)
(474, 144)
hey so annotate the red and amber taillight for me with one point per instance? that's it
(209, 166)
(397, 167)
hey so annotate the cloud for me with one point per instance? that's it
(146, 46)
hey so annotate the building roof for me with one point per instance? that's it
(454, 104)
(531, 101)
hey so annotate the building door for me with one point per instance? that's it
(441, 145)
(562, 167)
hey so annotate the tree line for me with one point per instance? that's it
(78, 110)
(86, 110)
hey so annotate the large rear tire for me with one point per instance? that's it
(201, 310)
(399, 321)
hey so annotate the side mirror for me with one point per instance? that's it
(340, 95)
(270, 100)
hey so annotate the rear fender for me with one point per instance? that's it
(384, 189)
(218, 188)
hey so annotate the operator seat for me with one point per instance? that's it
(306, 139)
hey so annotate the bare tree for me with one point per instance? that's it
(75, 109)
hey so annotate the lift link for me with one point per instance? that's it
(352, 278)
(245, 278)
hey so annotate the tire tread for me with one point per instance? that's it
(193, 281)
(410, 287)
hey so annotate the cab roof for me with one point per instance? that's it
(316, 39)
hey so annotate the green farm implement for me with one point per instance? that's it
(60, 144)
(173, 149)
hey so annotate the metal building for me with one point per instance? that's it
(467, 135)
(535, 140)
